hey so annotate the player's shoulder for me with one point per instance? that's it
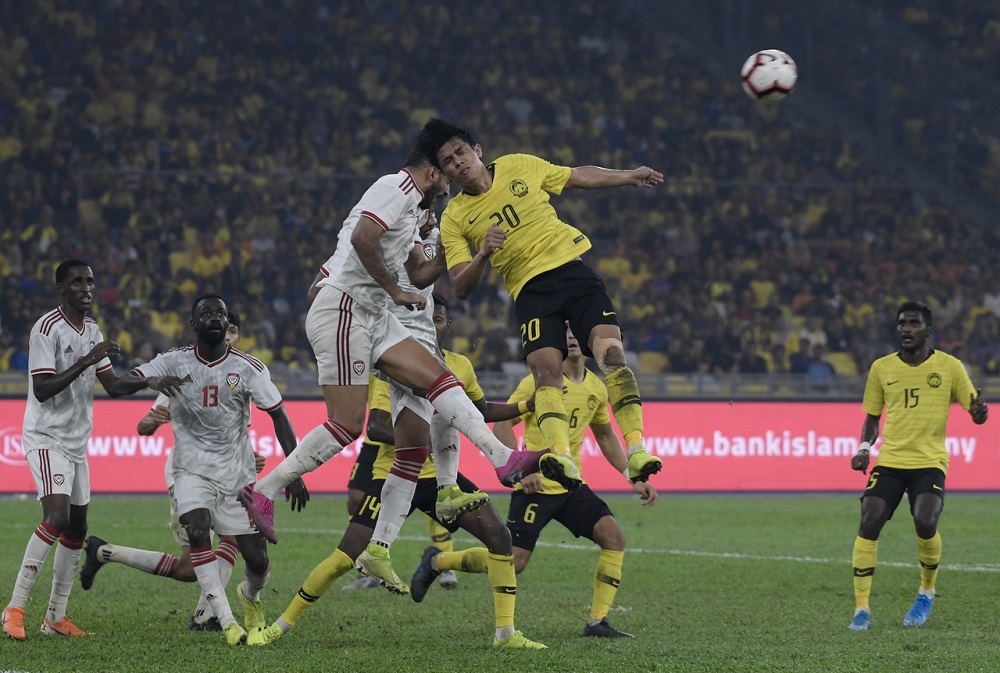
(246, 360)
(46, 324)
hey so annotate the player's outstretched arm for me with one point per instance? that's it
(48, 385)
(421, 271)
(595, 177)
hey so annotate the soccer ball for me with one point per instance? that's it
(769, 75)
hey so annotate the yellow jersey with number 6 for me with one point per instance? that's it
(586, 404)
(916, 401)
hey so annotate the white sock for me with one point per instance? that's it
(320, 445)
(927, 592)
(445, 445)
(63, 573)
(152, 562)
(225, 555)
(254, 582)
(35, 553)
(504, 632)
(397, 494)
(451, 402)
(206, 568)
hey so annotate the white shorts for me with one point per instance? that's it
(348, 338)
(228, 516)
(401, 397)
(54, 473)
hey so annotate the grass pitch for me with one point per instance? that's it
(711, 583)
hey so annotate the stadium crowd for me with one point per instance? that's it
(219, 149)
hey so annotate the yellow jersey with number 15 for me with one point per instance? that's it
(518, 202)
(916, 401)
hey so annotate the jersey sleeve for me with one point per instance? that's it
(41, 353)
(962, 388)
(874, 400)
(525, 389)
(378, 395)
(456, 245)
(265, 394)
(161, 401)
(384, 203)
(554, 177)
(105, 363)
(158, 366)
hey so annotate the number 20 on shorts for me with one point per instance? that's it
(530, 331)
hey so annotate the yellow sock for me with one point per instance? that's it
(318, 583)
(929, 554)
(550, 415)
(863, 559)
(473, 560)
(439, 535)
(626, 405)
(606, 580)
(504, 583)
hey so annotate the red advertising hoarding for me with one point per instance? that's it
(705, 446)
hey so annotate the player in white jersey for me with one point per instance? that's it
(212, 454)
(67, 353)
(98, 551)
(352, 331)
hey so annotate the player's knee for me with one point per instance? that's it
(925, 525)
(609, 535)
(521, 558)
(609, 352)
(58, 520)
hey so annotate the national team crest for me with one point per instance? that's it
(428, 251)
(359, 367)
(232, 380)
(58, 479)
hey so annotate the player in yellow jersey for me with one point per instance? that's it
(915, 386)
(378, 432)
(503, 211)
(536, 500)
(484, 522)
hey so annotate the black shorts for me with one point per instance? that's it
(579, 511)
(361, 473)
(572, 292)
(424, 499)
(889, 483)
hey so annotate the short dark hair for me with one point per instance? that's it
(234, 319)
(207, 295)
(435, 133)
(439, 300)
(62, 271)
(924, 309)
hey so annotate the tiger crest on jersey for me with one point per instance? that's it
(518, 188)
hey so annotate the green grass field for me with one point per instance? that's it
(712, 583)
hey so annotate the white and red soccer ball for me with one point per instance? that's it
(769, 75)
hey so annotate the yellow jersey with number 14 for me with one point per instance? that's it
(916, 401)
(518, 202)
